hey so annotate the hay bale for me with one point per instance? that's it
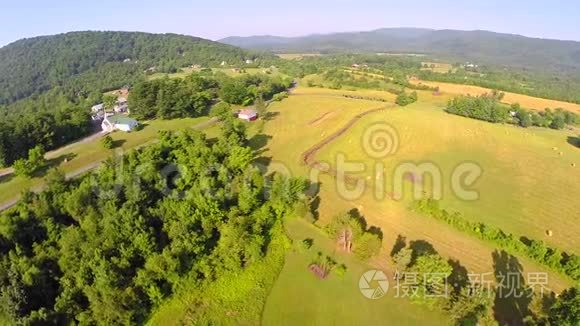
(549, 233)
(561, 153)
(573, 164)
(555, 148)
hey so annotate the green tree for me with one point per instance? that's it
(403, 258)
(436, 270)
(367, 246)
(109, 101)
(566, 310)
(34, 162)
(107, 142)
(558, 122)
(221, 110)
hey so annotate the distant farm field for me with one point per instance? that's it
(439, 67)
(524, 100)
(297, 56)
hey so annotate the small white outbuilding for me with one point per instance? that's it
(118, 122)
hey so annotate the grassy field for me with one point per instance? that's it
(297, 56)
(311, 114)
(299, 297)
(439, 67)
(526, 187)
(83, 154)
(509, 98)
(236, 298)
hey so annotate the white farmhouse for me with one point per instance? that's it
(118, 122)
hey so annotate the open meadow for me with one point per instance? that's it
(312, 114)
(529, 178)
(299, 297)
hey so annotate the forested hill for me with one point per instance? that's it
(478, 46)
(35, 65)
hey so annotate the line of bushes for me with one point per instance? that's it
(369, 98)
(536, 250)
(488, 107)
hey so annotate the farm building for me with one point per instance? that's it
(248, 114)
(118, 122)
(121, 106)
(97, 108)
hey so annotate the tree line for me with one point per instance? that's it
(536, 250)
(487, 107)
(110, 247)
(49, 121)
(192, 96)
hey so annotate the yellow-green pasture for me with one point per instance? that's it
(529, 181)
(312, 114)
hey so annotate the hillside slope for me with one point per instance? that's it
(32, 66)
(479, 46)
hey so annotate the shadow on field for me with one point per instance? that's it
(118, 143)
(54, 162)
(574, 141)
(259, 142)
(459, 278)
(6, 177)
(511, 298)
(420, 248)
(262, 163)
(399, 245)
(270, 115)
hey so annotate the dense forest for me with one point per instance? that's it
(111, 59)
(107, 248)
(49, 120)
(189, 97)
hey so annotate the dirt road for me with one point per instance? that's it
(84, 169)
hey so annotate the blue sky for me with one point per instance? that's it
(216, 19)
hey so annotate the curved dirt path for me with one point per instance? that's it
(308, 157)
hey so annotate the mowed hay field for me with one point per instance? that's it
(290, 133)
(525, 101)
(439, 67)
(297, 56)
(529, 183)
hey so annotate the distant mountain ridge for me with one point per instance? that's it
(34, 65)
(478, 45)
